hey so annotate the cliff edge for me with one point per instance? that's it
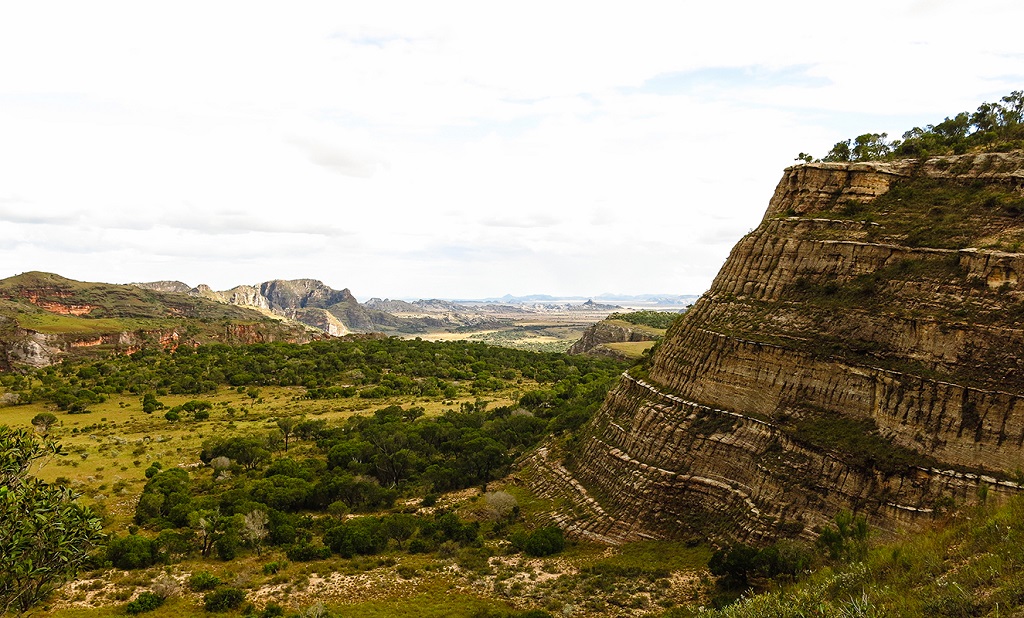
(861, 349)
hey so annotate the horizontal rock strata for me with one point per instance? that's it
(861, 349)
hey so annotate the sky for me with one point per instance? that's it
(450, 149)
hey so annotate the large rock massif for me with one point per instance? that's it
(861, 349)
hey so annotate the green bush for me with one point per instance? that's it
(272, 610)
(132, 552)
(145, 602)
(223, 600)
(544, 542)
(304, 552)
(203, 580)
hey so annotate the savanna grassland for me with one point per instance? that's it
(363, 477)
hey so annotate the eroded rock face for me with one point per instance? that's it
(861, 349)
(607, 331)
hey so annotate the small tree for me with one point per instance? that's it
(43, 421)
(847, 539)
(45, 536)
(254, 529)
(209, 527)
(287, 427)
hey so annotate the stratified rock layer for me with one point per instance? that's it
(610, 331)
(861, 349)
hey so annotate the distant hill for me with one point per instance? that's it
(45, 317)
(336, 312)
(624, 335)
(670, 300)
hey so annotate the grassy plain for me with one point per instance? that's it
(553, 331)
(109, 448)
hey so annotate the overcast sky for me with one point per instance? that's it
(439, 149)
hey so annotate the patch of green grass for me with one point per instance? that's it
(659, 555)
(630, 349)
(53, 323)
(857, 442)
(439, 602)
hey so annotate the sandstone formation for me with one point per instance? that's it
(861, 349)
(611, 331)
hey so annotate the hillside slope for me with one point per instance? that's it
(45, 317)
(860, 349)
(335, 312)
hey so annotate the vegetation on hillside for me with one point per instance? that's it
(655, 319)
(969, 566)
(368, 368)
(994, 127)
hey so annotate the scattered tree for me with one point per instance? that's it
(254, 529)
(43, 421)
(287, 427)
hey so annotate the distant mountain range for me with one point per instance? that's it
(673, 300)
(45, 317)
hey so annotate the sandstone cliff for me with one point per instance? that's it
(860, 349)
(595, 338)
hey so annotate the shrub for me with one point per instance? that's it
(145, 602)
(272, 610)
(131, 552)
(545, 542)
(203, 580)
(223, 600)
(304, 552)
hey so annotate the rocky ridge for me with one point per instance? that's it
(45, 318)
(859, 350)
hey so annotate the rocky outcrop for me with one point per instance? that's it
(320, 319)
(166, 286)
(241, 295)
(610, 331)
(303, 293)
(309, 302)
(861, 349)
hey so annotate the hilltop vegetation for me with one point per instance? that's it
(655, 319)
(993, 127)
(969, 566)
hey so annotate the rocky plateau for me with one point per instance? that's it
(860, 349)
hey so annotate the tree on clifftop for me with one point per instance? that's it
(45, 536)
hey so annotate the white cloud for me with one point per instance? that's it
(452, 148)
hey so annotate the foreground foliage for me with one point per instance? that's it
(969, 566)
(44, 535)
